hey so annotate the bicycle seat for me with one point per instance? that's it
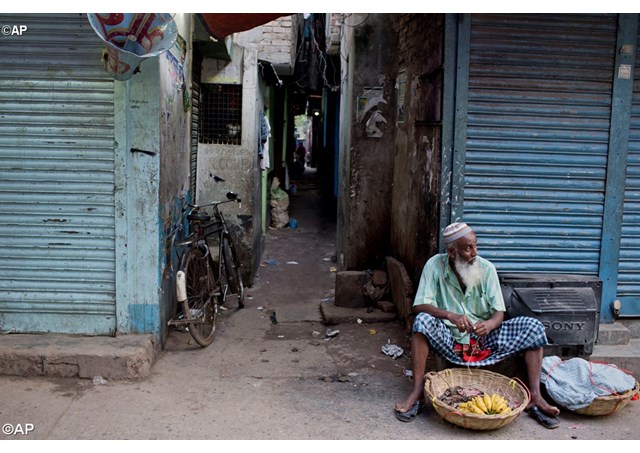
(199, 217)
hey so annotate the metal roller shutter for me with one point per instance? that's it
(539, 100)
(629, 268)
(57, 223)
(195, 121)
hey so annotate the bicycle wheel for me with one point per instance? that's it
(201, 304)
(232, 270)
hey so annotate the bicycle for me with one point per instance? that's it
(204, 281)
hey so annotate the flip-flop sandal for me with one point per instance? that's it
(412, 413)
(545, 420)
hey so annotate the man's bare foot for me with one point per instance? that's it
(544, 406)
(405, 406)
(408, 403)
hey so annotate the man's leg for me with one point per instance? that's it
(419, 354)
(533, 359)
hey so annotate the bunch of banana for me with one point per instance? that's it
(486, 405)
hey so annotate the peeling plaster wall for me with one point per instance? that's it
(137, 116)
(237, 164)
(416, 177)
(367, 149)
(175, 147)
(151, 186)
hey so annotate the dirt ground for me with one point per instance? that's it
(262, 380)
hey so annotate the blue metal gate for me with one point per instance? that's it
(532, 136)
(629, 269)
(57, 223)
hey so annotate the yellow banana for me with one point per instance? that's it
(477, 410)
(495, 405)
(469, 408)
(473, 408)
(480, 403)
(500, 408)
(487, 402)
(495, 400)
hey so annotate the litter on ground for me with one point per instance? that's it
(331, 333)
(392, 350)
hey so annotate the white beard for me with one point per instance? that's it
(470, 274)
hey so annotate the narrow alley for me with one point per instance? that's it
(390, 126)
(271, 372)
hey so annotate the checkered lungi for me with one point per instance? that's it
(511, 337)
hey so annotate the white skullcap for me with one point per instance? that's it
(455, 231)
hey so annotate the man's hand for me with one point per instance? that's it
(461, 322)
(482, 328)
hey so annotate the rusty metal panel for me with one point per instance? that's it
(57, 223)
(539, 102)
(629, 267)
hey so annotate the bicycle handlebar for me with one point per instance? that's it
(231, 196)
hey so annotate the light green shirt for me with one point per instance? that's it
(439, 287)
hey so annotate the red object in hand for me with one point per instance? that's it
(474, 351)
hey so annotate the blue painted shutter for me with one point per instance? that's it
(537, 139)
(57, 224)
(629, 267)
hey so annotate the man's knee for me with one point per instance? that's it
(528, 323)
(530, 330)
(422, 321)
(537, 328)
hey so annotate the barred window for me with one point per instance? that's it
(220, 114)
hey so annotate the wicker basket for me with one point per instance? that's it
(487, 381)
(607, 405)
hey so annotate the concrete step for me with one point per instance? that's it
(632, 324)
(626, 356)
(125, 357)
(613, 334)
(332, 314)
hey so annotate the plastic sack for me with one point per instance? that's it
(279, 203)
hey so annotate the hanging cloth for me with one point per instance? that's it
(263, 143)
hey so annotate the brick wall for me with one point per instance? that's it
(279, 41)
(334, 32)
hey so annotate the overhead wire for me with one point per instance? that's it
(302, 80)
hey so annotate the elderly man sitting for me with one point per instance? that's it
(459, 301)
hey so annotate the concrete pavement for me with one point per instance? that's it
(258, 380)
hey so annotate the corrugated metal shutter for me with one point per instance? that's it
(537, 139)
(629, 268)
(195, 121)
(57, 223)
